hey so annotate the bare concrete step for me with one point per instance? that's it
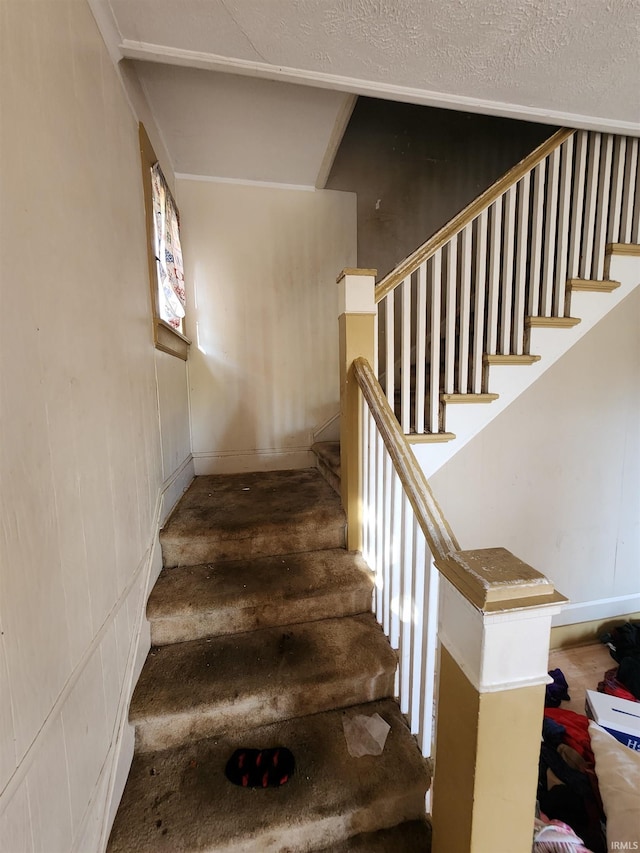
(180, 800)
(192, 602)
(205, 687)
(237, 516)
(328, 455)
(410, 837)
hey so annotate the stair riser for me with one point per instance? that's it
(191, 551)
(298, 701)
(330, 475)
(231, 620)
(307, 836)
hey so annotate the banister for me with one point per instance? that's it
(434, 525)
(469, 213)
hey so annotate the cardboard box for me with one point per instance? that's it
(619, 717)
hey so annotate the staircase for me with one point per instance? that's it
(478, 312)
(262, 636)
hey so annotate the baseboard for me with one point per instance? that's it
(253, 460)
(584, 622)
(329, 430)
(118, 761)
(175, 486)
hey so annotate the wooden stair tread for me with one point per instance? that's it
(632, 249)
(468, 398)
(551, 322)
(510, 359)
(593, 285)
(429, 437)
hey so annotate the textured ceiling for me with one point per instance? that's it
(569, 60)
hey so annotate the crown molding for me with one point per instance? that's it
(388, 91)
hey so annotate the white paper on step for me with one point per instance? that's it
(365, 735)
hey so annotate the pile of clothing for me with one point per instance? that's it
(623, 680)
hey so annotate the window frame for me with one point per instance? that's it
(165, 337)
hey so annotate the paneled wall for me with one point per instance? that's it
(94, 429)
(554, 478)
(261, 266)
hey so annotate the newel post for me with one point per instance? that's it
(356, 324)
(494, 628)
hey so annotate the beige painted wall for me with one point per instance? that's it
(555, 477)
(264, 363)
(83, 468)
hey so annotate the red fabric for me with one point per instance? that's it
(613, 687)
(577, 731)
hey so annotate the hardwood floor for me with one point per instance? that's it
(583, 667)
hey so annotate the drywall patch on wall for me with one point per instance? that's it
(261, 267)
(555, 477)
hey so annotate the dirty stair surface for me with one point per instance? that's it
(191, 602)
(205, 687)
(253, 515)
(263, 636)
(180, 800)
(328, 461)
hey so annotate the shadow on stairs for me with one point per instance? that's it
(262, 636)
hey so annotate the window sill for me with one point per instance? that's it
(171, 341)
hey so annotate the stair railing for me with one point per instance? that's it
(403, 533)
(471, 628)
(464, 298)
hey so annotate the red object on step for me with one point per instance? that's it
(260, 768)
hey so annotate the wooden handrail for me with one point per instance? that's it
(434, 525)
(469, 213)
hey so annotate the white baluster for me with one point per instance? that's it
(376, 332)
(430, 638)
(626, 219)
(590, 205)
(434, 378)
(602, 213)
(522, 240)
(405, 397)
(537, 218)
(635, 227)
(494, 276)
(466, 236)
(481, 284)
(406, 605)
(507, 268)
(577, 202)
(564, 206)
(450, 316)
(365, 470)
(395, 559)
(387, 538)
(378, 528)
(390, 348)
(421, 346)
(419, 574)
(617, 189)
(550, 220)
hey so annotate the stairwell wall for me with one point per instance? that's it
(94, 424)
(554, 478)
(261, 265)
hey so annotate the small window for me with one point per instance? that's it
(168, 252)
(165, 256)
